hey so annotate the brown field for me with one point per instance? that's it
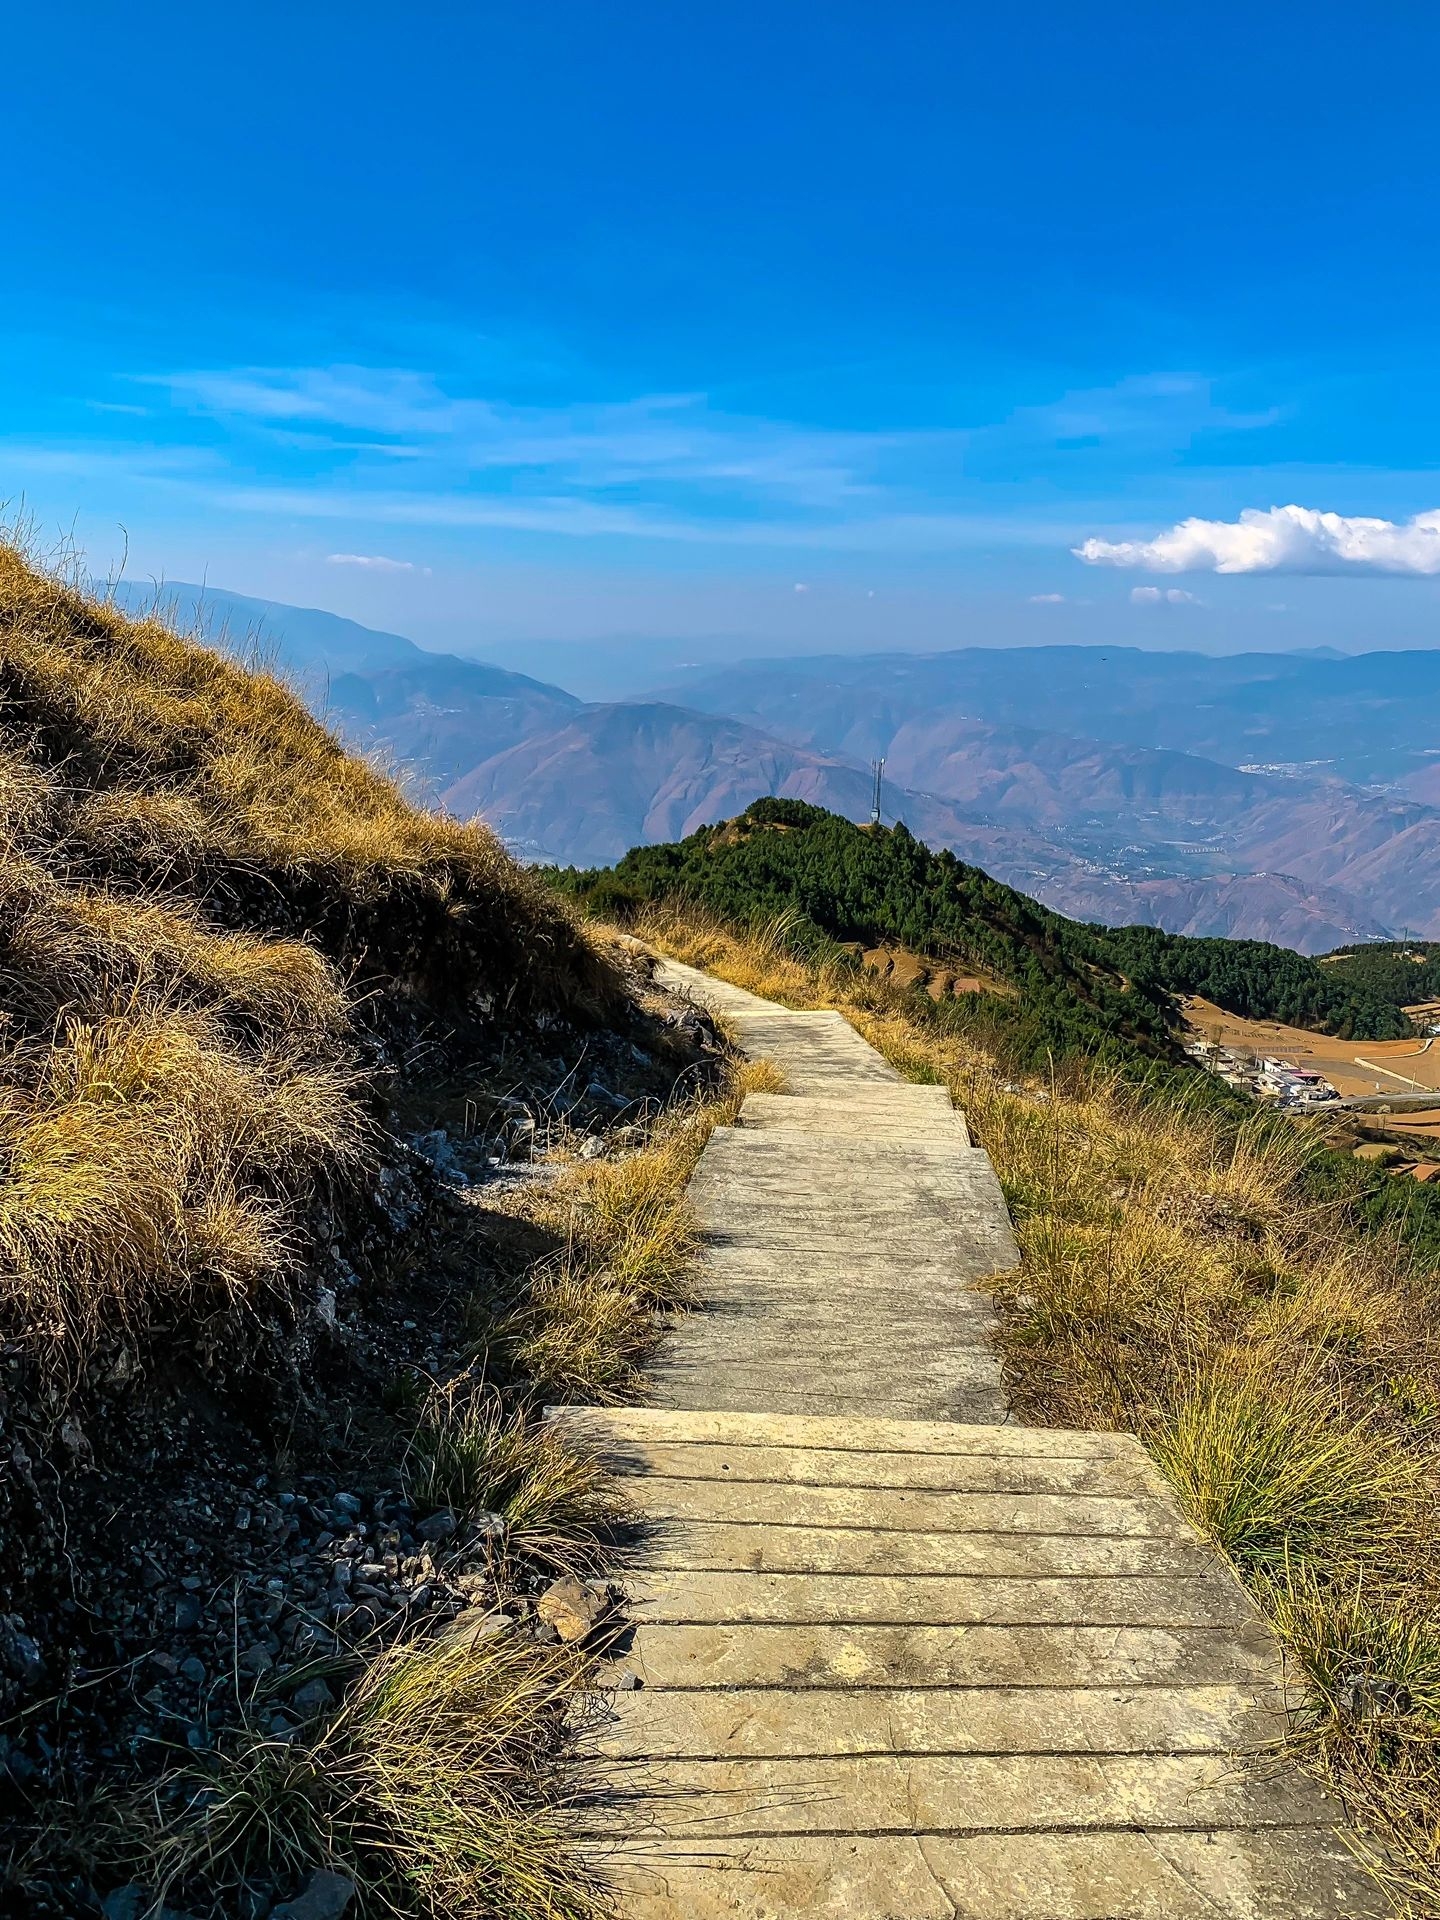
(905, 969)
(1355, 1068)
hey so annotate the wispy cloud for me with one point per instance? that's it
(1280, 540)
(374, 562)
(675, 437)
(1047, 599)
(386, 446)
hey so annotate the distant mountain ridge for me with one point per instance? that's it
(985, 755)
(1369, 717)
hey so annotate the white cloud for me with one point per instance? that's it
(1280, 540)
(1047, 599)
(1162, 597)
(376, 562)
(801, 587)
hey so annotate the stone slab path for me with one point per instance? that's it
(898, 1656)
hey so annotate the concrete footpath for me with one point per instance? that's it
(898, 1656)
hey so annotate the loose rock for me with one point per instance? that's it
(325, 1896)
(570, 1608)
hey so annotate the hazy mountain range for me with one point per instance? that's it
(1276, 796)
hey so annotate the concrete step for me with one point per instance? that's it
(971, 1793)
(749, 1546)
(779, 1466)
(1207, 1598)
(868, 1113)
(758, 1723)
(934, 1398)
(1304, 1874)
(1120, 1515)
(743, 1363)
(599, 1426)
(797, 1658)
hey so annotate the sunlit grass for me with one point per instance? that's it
(472, 1453)
(1275, 1474)
(592, 1314)
(176, 1067)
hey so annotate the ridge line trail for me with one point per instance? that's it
(898, 1657)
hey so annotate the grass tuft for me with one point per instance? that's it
(1276, 1476)
(473, 1454)
(442, 1786)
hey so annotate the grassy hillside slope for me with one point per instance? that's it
(272, 1294)
(179, 1064)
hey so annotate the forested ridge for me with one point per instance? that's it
(1065, 985)
(1262, 982)
(1400, 971)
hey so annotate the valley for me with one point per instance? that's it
(1114, 786)
(1369, 1070)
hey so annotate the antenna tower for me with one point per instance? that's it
(878, 769)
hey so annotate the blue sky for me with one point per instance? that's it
(788, 325)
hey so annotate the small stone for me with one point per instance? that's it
(349, 1504)
(325, 1896)
(628, 1681)
(242, 1520)
(439, 1526)
(193, 1670)
(489, 1526)
(20, 1655)
(125, 1903)
(569, 1608)
(187, 1613)
(475, 1624)
(257, 1660)
(314, 1697)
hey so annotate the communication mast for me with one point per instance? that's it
(877, 767)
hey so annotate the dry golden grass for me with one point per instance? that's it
(201, 893)
(444, 1786)
(593, 1313)
(160, 758)
(473, 1454)
(1282, 1365)
(174, 1063)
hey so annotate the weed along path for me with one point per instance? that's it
(899, 1657)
